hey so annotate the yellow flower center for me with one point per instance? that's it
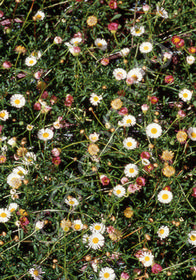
(31, 61)
(20, 173)
(147, 258)
(134, 77)
(146, 48)
(38, 16)
(99, 45)
(128, 121)
(17, 101)
(95, 240)
(36, 272)
(129, 144)
(185, 95)
(131, 170)
(161, 231)
(193, 134)
(165, 196)
(153, 130)
(2, 114)
(106, 275)
(193, 237)
(77, 227)
(3, 215)
(97, 227)
(71, 202)
(118, 191)
(176, 40)
(95, 98)
(137, 31)
(45, 134)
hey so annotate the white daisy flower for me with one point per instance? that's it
(29, 127)
(29, 158)
(162, 12)
(192, 238)
(39, 15)
(20, 171)
(165, 196)
(119, 191)
(107, 273)
(76, 41)
(145, 161)
(101, 44)
(94, 137)
(192, 133)
(36, 272)
(96, 240)
(119, 74)
(85, 238)
(12, 141)
(137, 31)
(36, 54)
(124, 52)
(147, 259)
(97, 227)
(14, 180)
(17, 100)
(153, 130)
(185, 95)
(130, 143)
(71, 201)
(131, 170)
(45, 134)
(190, 59)
(135, 75)
(4, 215)
(129, 120)
(145, 47)
(163, 232)
(30, 61)
(12, 207)
(4, 115)
(39, 225)
(95, 99)
(77, 225)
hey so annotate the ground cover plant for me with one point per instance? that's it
(97, 139)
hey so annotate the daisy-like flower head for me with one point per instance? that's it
(190, 59)
(91, 21)
(130, 143)
(12, 207)
(192, 238)
(94, 137)
(39, 225)
(36, 272)
(129, 120)
(95, 99)
(4, 115)
(29, 158)
(76, 41)
(71, 201)
(77, 225)
(45, 134)
(119, 191)
(4, 215)
(29, 127)
(165, 196)
(14, 180)
(153, 130)
(131, 170)
(181, 136)
(96, 240)
(185, 95)
(116, 104)
(124, 52)
(20, 171)
(162, 12)
(167, 155)
(17, 100)
(168, 170)
(97, 227)
(30, 61)
(147, 259)
(107, 273)
(119, 74)
(137, 31)
(192, 133)
(101, 44)
(145, 47)
(39, 15)
(134, 76)
(163, 232)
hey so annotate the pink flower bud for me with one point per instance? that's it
(6, 64)
(38, 74)
(56, 160)
(156, 268)
(144, 108)
(181, 114)
(113, 26)
(154, 99)
(141, 181)
(110, 229)
(145, 155)
(124, 180)
(68, 101)
(146, 8)
(124, 276)
(1, 14)
(105, 61)
(113, 4)
(169, 79)
(167, 188)
(194, 192)
(104, 180)
(123, 111)
(56, 152)
(44, 95)
(1, 127)
(37, 106)
(58, 40)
